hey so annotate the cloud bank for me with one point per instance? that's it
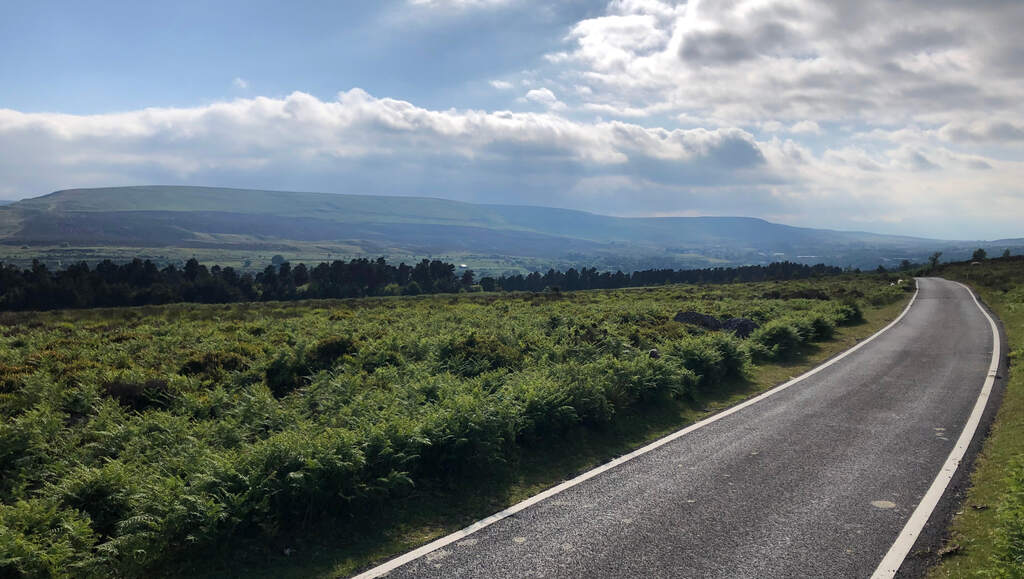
(894, 117)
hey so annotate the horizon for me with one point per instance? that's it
(851, 116)
(515, 205)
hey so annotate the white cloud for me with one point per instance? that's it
(240, 82)
(805, 127)
(301, 133)
(545, 97)
(798, 60)
(872, 108)
(879, 115)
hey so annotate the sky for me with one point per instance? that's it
(902, 117)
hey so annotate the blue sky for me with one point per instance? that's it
(97, 57)
(871, 115)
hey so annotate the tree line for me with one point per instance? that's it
(139, 282)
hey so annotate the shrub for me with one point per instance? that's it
(593, 339)
(474, 354)
(39, 539)
(284, 374)
(370, 360)
(213, 364)
(847, 313)
(325, 353)
(295, 475)
(642, 379)
(803, 325)
(775, 340)
(11, 376)
(586, 393)
(735, 359)
(139, 395)
(470, 435)
(885, 295)
(103, 493)
(823, 327)
(545, 406)
(712, 358)
(26, 450)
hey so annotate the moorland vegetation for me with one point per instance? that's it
(136, 438)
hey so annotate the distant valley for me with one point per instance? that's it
(244, 227)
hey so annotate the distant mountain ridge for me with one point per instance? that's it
(161, 216)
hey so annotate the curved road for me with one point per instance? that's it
(817, 479)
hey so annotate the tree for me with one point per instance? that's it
(978, 255)
(1006, 253)
(300, 274)
(905, 265)
(278, 259)
(933, 260)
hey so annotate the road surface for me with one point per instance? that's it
(814, 480)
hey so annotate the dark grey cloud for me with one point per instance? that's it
(722, 47)
(985, 131)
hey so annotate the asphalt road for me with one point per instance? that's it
(816, 480)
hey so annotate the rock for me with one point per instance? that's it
(742, 327)
(698, 319)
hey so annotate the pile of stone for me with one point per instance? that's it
(742, 327)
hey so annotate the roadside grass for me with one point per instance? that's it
(417, 521)
(987, 536)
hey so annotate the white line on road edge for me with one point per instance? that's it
(908, 536)
(482, 523)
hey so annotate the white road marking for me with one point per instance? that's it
(883, 504)
(905, 540)
(397, 562)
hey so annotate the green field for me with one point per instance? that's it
(137, 438)
(255, 260)
(988, 534)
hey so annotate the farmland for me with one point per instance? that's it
(242, 227)
(137, 438)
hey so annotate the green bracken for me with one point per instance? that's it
(136, 438)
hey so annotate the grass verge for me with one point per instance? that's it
(987, 536)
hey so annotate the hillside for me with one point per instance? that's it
(204, 217)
